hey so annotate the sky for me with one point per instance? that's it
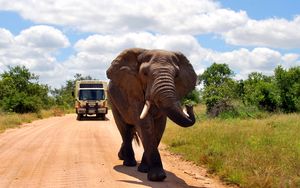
(57, 39)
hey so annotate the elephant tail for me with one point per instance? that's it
(136, 138)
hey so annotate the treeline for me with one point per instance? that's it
(225, 96)
(21, 92)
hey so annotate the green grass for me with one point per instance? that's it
(250, 152)
(13, 120)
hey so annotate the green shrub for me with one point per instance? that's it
(22, 103)
(192, 98)
(219, 88)
(261, 91)
(242, 111)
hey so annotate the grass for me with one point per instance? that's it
(13, 120)
(261, 152)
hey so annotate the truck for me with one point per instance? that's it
(90, 98)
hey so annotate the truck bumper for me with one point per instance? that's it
(91, 111)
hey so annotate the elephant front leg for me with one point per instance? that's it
(144, 166)
(151, 161)
(126, 154)
(155, 167)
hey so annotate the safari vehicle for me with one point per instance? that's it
(91, 98)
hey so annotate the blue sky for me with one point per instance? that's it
(56, 39)
(258, 9)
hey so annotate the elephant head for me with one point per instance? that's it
(155, 78)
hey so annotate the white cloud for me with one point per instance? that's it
(42, 37)
(169, 25)
(290, 60)
(34, 48)
(244, 61)
(95, 53)
(6, 38)
(193, 17)
(113, 16)
(277, 33)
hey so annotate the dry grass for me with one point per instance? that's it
(13, 120)
(250, 153)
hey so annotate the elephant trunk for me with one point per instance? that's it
(164, 96)
(176, 114)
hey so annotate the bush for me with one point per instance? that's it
(21, 103)
(20, 92)
(191, 98)
(261, 91)
(242, 111)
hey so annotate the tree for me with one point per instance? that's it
(63, 96)
(216, 75)
(261, 91)
(288, 83)
(219, 88)
(20, 91)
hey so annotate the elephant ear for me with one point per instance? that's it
(123, 72)
(187, 78)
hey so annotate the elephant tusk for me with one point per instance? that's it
(145, 110)
(185, 112)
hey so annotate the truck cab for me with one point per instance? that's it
(91, 98)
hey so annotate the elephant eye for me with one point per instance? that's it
(176, 74)
(145, 72)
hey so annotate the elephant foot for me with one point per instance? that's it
(156, 174)
(127, 157)
(129, 162)
(144, 168)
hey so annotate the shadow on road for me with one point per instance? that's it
(171, 181)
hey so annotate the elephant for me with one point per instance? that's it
(145, 88)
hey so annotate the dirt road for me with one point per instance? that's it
(63, 152)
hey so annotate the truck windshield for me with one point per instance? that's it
(91, 94)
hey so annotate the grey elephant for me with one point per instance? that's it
(145, 88)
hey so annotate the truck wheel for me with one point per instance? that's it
(101, 116)
(79, 117)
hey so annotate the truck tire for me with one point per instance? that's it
(101, 116)
(79, 117)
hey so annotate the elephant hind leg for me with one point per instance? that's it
(126, 154)
(127, 132)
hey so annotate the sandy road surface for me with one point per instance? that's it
(63, 152)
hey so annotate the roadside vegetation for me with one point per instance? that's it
(247, 131)
(13, 120)
(23, 99)
(248, 152)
